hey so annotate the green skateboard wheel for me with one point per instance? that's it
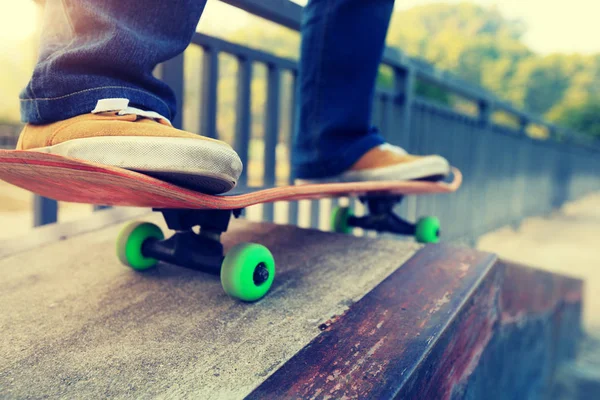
(339, 219)
(247, 271)
(130, 241)
(428, 230)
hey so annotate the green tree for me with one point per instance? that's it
(543, 82)
(441, 33)
(582, 117)
(484, 48)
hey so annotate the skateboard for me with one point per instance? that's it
(247, 270)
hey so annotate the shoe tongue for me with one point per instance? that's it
(121, 106)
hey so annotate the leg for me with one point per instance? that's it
(93, 50)
(342, 45)
(93, 96)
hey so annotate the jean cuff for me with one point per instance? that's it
(339, 161)
(47, 110)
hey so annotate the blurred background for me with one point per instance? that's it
(542, 56)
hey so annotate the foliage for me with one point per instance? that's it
(484, 48)
(582, 118)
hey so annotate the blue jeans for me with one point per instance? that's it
(92, 50)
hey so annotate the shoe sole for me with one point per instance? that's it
(202, 165)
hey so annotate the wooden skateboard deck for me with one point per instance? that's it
(72, 180)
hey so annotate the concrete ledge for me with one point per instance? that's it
(75, 323)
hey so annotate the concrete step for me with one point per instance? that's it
(350, 316)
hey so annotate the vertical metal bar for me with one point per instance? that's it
(388, 121)
(171, 72)
(405, 79)
(484, 171)
(315, 210)
(45, 211)
(517, 187)
(474, 219)
(293, 205)
(443, 131)
(404, 135)
(271, 132)
(427, 118)
(293, 212)
(523, 124)
(243, 115)
(416, 128)
(376, 111)
(210, 81)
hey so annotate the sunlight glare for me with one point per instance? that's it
(17, 19)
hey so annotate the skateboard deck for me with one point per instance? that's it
(72, 180)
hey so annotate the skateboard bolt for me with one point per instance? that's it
(261, 274)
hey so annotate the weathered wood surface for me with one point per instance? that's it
(451, 323)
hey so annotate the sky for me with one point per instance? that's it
(554, 25)
(563, 26)
(17, 19)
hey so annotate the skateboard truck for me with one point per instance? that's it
(246, 270)
(382, 218)
(200, 251)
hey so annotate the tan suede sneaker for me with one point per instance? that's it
(117, 135)
(391, 163)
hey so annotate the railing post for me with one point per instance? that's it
(486, 109)
(45, 211)
(293, 205)
(271, 136)
(523, 124)
(210, 81)
(479, 178)
(405, 88)
(243, 115)
(171, 72)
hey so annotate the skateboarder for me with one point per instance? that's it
(92, 94)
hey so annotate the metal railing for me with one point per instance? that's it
(9, 134)
(507, 174)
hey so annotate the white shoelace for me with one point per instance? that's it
(122, 106)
